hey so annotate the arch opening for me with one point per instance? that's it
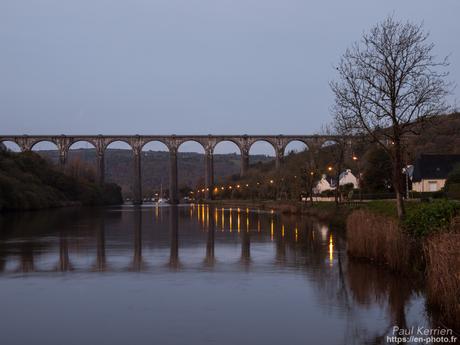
(47, 149)
(261, 151)
(328, 143)
(81, 160)
(191, 168)
(155, 170)
(227, 164)
(118, 160)
(294, 147)
(10, 146)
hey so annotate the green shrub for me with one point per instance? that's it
(452, 186)
(386, 208)
(453, 191)
(428, 195)
(430, 217)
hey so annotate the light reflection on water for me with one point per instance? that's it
(190, 275)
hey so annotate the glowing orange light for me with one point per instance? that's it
(239, 222)
(271, 229)
(331, 250)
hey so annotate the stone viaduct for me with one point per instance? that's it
(172, 142)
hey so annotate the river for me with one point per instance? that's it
(191, 274)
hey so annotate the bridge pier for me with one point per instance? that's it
(244, 161)
(173, 193)
(100, 168)
(62, 159)
(137, 187)
(278, 162)
(209, 174)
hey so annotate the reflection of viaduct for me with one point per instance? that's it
(172, 142)
(284, 235)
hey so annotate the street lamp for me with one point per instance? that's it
(329, 168)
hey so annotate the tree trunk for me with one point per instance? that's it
(397, 180)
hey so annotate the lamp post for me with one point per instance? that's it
(407, 170)
(355, 158)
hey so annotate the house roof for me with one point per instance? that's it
(434, 166)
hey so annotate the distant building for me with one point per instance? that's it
(431, 171)
(322, 185)
(345, 178)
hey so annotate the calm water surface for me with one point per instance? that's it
(190, 275)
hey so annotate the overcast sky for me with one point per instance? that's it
(187, 66)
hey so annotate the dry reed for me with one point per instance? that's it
(379, 238)
(442, 252)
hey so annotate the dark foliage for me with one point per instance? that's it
(377, 171)
(452, 187)
(29, 182)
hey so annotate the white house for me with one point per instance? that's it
(322, 185)
(347, 177)
(431, 171)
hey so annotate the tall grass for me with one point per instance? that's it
(442, 252)
(378, 237)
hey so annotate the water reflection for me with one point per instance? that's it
(101, 263)
(114, 234)
(174, 262)
(137, 264)
(263, 263)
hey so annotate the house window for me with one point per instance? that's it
(432, 186)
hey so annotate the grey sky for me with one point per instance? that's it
(187, 66)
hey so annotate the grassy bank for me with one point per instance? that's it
(426, 242)
(28, 182)
(322, 210)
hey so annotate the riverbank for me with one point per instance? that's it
(323, 210)
(425, 245)
(29, 182)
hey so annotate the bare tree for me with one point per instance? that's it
(337, 151)
(390, 84)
